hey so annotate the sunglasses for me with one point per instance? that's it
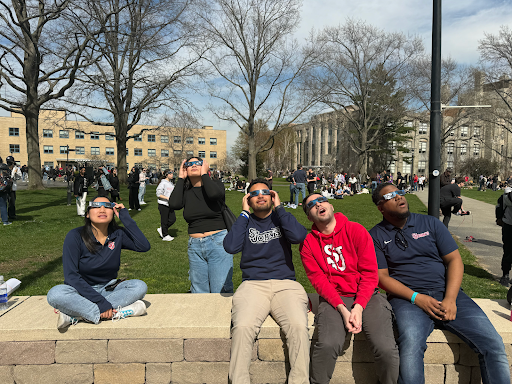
(312, 203)
(400, 240)
(191, 163)
(98, 204)
(258, 191)
(390, 195)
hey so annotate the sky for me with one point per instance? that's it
(464, 23)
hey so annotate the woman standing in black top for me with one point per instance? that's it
(114, 182)
(211, 267)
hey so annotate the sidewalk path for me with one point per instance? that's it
(481, 224)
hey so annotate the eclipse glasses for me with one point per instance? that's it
(98, 204)
(312, 203)
(258, 191)
(390, 195)
(191, 163)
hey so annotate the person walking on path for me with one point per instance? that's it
(167, 215)
(506, 237)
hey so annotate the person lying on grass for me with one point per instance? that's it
(91, 258)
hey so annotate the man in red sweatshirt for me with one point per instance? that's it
(339, 258)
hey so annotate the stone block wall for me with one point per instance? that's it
(202, 361)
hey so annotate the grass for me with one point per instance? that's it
(489, 196)
(32, 247)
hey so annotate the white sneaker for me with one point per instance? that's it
(66, 320)
(159, 230)
(139, 209)
(168, 238)
(143, 203)
(136, 309)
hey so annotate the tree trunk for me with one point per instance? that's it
(121, 133)
(251, 158)
(35, 180)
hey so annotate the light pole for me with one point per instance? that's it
(67, 177)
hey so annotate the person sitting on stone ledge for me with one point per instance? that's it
(339, 259)
(91, 258)
(421, 270)
(268, 287)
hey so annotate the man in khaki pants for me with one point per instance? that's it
(269, 287)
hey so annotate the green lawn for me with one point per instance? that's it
(487, 196)
(32, 247)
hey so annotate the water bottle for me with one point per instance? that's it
(3, 295)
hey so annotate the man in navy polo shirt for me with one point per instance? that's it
(421, 270)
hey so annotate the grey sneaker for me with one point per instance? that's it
(159, 230)
(136, 309)
(66, 320)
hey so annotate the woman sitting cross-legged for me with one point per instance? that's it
(91, 258)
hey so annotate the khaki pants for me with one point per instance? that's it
(253, 301)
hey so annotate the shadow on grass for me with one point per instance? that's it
(45, 269)
(477, 272)
(32, 208)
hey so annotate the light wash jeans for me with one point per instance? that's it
(299, 187)
(471, 325)
(66, 299)
(211, 267)
(3, 207)
(142, 191)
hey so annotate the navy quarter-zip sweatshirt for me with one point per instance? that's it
(265, 245)
(82, 269)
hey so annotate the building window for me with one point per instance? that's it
(190, 140)
(177, 139)
(423, 129)
(164, 139)
(464, 131)
(201, 140)
(449, 149)
(423, 147)
(63, 149)
(463, 148)
(201, 154)
(451, 131)
(476, 131)
(48, 149)
(95, 150)
(392, 167)
(137, 152)
(164, 153)
(213, 154)
(190, 153)
(449, 164)
(406, 165)
(392, 145)
(138, 165)
(80, 150)
(79, 135)
(14, 148)
(476, 149)
(151, 138)
(14, 131)
(151, 152)
(48, 164)
(95, 136)
(137, 138)
(177, 152)
(213, 141)
(422, 165)
(408, 124)
(63, 134)
(127, 152)
(109, 136)
(109, 151)
(47, 133)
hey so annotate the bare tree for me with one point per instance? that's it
(40, 56)
(362, 74)
(258, 66)
(150, 51)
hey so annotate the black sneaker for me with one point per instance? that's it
(509, 296)
(504, 280)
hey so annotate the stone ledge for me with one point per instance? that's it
(201, 316)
